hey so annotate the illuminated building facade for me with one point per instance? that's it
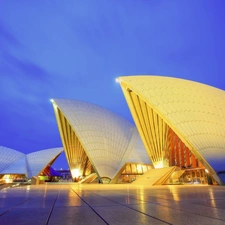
(181, 123)
(99, 144)
(17, 166)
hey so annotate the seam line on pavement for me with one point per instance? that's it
(182, 210)
(14, 207)
(134, 209)
(90, 206)
(53, 205)
(160, 204)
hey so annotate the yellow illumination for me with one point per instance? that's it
(158, 104)
(158, 165)
(51, 100)
(139, 167)
(7, 180)
(28, 188)
(75, 173)
(206, 171)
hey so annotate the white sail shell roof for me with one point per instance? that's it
(19, 166)
(139, 154)
(38, 160)
(8, 156)
(195, 111)
(15, 162)
(108, 139)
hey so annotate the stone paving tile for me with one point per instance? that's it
(98, 201)
(112, 204)
(200, 207)
(3, 210)
(69, 202)
(25, 216)
(11, 201)
(69, 198)
(218, 203)
(37, 203)
(74, 215)
(120, 199)
(120, 215)
(174, 216)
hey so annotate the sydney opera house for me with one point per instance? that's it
(178, 137)
(181, 124)
(16, 166)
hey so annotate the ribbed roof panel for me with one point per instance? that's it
(8, 156)
(19, 166)
(139, 155)
(107, 138)
(195, 111)
(38, 160)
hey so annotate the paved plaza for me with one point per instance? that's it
(112, 204)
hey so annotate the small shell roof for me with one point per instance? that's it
(8, 156)
(15, 162)
(38, 160)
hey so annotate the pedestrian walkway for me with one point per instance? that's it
(112, 204)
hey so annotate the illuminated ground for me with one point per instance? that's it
(112, 204)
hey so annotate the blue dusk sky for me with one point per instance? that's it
(75, 49)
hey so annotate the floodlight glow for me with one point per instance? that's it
(75, 173)
(117, 80)
(158, 165)
(51, 100)
(7, 180)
